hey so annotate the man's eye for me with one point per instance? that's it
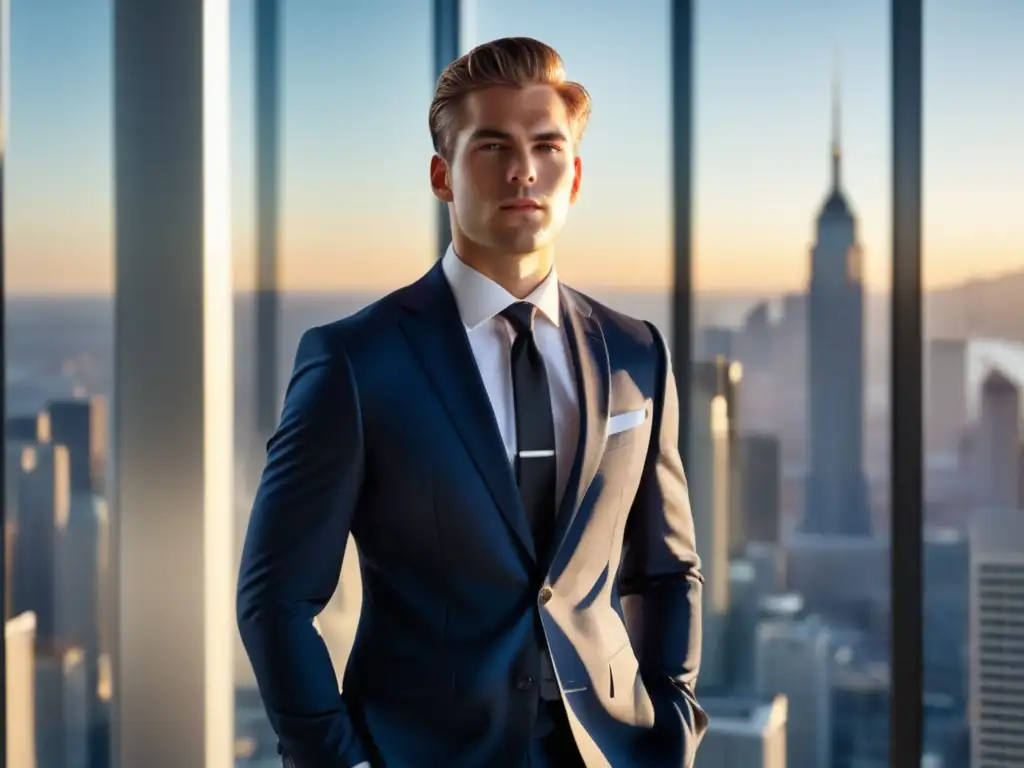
(551, 147)
(491, 147)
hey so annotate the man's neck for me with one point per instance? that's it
(519, 274)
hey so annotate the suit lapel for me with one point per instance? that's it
(593, 385)
(438, 338)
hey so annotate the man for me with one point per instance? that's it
(504, 452)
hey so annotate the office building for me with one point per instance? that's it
(745, 731)
(836, 499)
(997, 442)
(794, 658)
(81, 425)
(997, 638)
(945, 395)
(716, 342)
(761, 461)
(62, 708)
(20, 728)
(709, 482)
(43, 505)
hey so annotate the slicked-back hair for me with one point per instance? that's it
(510, 61)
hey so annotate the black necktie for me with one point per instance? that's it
(535, 427)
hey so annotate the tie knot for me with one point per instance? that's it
(520, 315)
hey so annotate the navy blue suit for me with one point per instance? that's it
(387, 433)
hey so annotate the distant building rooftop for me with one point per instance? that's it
(746, 714)
(783, 605)
(987, 356)
(23, 623)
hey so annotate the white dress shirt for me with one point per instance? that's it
(480, 300)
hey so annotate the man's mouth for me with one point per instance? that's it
(522, 204)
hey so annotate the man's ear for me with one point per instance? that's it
(440, 179)
(577, 179)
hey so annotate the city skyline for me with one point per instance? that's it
(791, 406)
(761, 142)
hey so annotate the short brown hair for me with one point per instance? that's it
(510, 61)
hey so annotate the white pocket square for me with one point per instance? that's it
(620, 422)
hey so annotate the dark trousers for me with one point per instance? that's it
(554, 746)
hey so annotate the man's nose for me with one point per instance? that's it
(522, 170)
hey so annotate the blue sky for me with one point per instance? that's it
(357, 210)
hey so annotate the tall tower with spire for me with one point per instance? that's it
(836, 499)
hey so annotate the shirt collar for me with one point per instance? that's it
(479, 298)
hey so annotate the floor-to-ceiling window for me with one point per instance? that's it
(790, 397)
(58, 349)
(788, 383)
(339, 201)
(973, 257)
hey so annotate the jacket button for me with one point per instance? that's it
(524, 682)
(545, 595)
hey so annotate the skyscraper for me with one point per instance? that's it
(762, 474)
(836, 500)
(996, 637)
(997, 442)
(946, 395)
(44, 499)
(80, 424)
(62, 706)
(20, 736)
(794, 659)
(744, 730)
(709, 477)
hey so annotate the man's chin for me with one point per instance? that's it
(523, 243)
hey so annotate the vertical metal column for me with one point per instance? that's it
(447, 48)
(5, 26)
(268, 120)
(173, 401)
(907, 390)
(682, 78)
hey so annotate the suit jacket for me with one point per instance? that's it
(387, 433)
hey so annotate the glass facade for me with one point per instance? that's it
(749, 187)
(791, 270)
(973, 373)
(59, 362)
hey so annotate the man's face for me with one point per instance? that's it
(514, 171)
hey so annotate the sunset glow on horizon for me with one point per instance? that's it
(356, 209)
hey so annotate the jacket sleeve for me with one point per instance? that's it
(293, 551)
(660, 579)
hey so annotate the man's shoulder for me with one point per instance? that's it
(367, 324)
(618, 327)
